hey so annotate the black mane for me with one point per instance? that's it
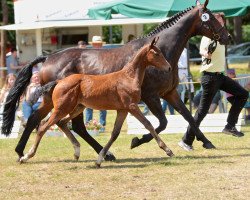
(169, 22)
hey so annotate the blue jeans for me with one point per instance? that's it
(28, 109)
(165, 104)
(89, 116)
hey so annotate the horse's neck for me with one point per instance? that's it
(136, 68)
(175, 38)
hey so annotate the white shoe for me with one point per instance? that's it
(185, 146)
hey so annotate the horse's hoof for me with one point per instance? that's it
(110, 157)
(135, 142)
(76, 157)
(170, 153)
(98, 165)
(18, 159)
(208, 145)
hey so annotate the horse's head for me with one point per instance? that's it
(155, 57)
(212, 25)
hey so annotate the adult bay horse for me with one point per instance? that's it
(174, 34)
(120, 91)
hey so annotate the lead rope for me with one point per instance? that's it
(211, 48)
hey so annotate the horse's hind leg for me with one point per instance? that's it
(135, 110)
(54, 118)
(154, 104)
(63, 125)
(121, 116)
(79, 127)
(33, 121)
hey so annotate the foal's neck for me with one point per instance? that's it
(137, 66)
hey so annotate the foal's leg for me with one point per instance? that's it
(121, 116)
(63, 125)
(33, 121)
(54, 118)
(135, 110)
(79, 127)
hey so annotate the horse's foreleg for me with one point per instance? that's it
(121, 116)
(79, 127)
(174, 99)
(134, 110)
(33, 121)
(154, 105)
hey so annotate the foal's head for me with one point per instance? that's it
(155, 57)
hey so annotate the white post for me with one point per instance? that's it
(38, 42)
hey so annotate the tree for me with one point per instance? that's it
(3, 37)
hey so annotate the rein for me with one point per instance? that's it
(211, 48)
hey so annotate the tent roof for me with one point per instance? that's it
(164, 8)
(78, 23)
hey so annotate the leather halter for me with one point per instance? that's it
(206, 24)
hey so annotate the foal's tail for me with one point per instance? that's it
(42, 90)
(13, 98)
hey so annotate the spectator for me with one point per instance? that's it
(12, 62)
(9, 82)
(183, 77)
(214, 104)
(96, 43)
(231, 73)
(81, 44)
(28, 105)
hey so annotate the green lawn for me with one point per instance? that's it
(142, 173)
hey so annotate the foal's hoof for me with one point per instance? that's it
(170, 153)
(76, 157)
(135, 142)
(109, 157)
(98, 165)
(208, 145)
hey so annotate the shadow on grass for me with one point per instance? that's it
(144, 162)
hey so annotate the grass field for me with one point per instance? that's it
(142, 173)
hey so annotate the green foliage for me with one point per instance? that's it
(116, 34)
(246, 33)
(147, 28)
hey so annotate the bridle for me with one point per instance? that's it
(210, 26)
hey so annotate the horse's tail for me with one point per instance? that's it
(42, 90)
(13, 98)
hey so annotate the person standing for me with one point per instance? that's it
(81, 44)
(12, 63)
(96, 43)
(8, 84)
(28, 106)
(212, 80)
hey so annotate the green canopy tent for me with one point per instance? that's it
(164, 8)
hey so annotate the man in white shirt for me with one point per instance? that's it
(213, 80)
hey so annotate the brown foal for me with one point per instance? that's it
(119, 91)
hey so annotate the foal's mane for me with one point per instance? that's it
(168, 23)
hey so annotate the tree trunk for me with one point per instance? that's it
(238, 29)
(3, 41)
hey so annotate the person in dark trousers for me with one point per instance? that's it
(212, 80)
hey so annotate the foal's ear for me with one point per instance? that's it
(154, 41)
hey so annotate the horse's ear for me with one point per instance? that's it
(198, 3)
(205, 4)
(154, 41)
